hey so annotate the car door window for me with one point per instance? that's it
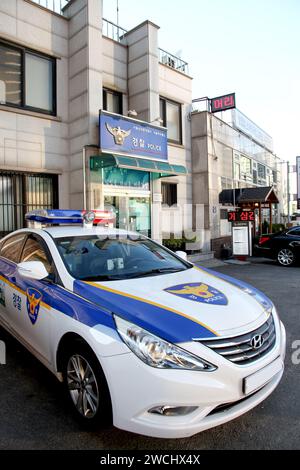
(295, 232)
(35, 251)
(11, 248)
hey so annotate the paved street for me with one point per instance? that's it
(33, 414)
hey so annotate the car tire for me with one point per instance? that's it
(286, 257)
(85, 386)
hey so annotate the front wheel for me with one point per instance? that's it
(86, 387)
(286, 257)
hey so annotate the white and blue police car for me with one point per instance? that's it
(137, 334)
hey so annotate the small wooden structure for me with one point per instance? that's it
(256, 199)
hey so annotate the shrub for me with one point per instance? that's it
(277, 228)
(177, 244)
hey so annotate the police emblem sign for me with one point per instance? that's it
(125, 136)
(199, 292)
(33, 303)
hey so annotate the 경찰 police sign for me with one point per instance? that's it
(125, 136)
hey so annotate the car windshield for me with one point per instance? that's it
(91, 258)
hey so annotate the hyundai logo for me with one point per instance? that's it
(257, 342)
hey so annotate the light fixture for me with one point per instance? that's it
(173, 410)
(132, 113)
(158, 119)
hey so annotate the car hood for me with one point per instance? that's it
(179, 307)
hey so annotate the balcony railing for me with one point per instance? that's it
(117, 33)
(113, 31)
(174, 62)
(53, 5)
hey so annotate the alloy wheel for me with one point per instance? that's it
(286, 257)
(83, 386)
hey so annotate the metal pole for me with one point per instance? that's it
(288, 192)
(84, 178)
(84, 174)
(118, 33)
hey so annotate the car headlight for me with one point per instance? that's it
(156, 352)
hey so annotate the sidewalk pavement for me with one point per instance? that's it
(215, 263)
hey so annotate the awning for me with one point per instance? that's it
(265, 194)
(98, 162)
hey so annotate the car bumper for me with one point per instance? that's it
(264, 252)
(218, 396)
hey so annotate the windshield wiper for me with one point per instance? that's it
(156, 271)
(124, 277)
(101, 278)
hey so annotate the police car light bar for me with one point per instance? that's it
(67, 217)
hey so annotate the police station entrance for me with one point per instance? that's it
(132, 155)
(132, 213)
(127, 193)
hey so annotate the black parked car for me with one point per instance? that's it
(283, 246)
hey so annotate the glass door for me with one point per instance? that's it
(132, 212)
(139, 215)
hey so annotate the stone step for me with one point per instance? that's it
(198, 257)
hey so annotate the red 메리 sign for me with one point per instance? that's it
(222, 103)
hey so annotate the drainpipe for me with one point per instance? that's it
(84, 173)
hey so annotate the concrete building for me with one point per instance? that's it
(231, 153)
(58, 69)
(61, 64)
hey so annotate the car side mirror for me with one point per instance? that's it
(32, 270)
(182, 255)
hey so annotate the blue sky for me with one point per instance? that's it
(247, 46)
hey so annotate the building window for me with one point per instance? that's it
(255, 176)
(10, 76)
(223, 214)
(27, 79)
(226, 183)
(246, 168)
(112, 101)
(237, 171)
(261, 169)
(169, 194)
(126, 178)
(171, 116)
(38, 82)
(24, 192)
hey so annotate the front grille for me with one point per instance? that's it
(240, 349)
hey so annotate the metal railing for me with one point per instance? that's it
(113, 31)
(117, 33)
(54, 5)
(174, 62)
(201, 104)
(21, 193)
